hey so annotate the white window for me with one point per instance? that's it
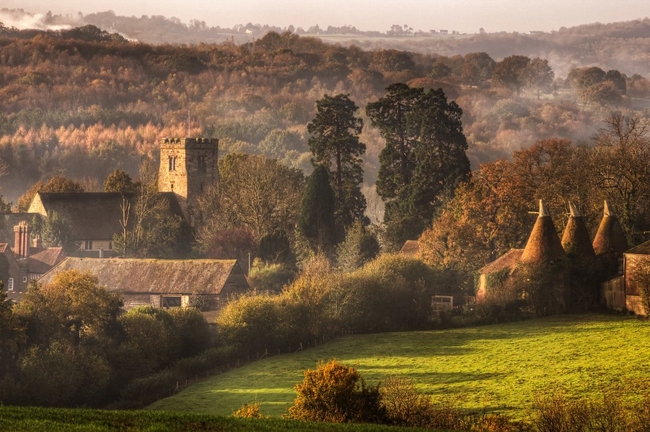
(24, 279)
(10, 284)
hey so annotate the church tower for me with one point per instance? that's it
(188, 167)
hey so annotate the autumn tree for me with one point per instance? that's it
(250, 200)
(151, 227)
(334, 143)
(359, 247)
(620, 163)
(477, 68)
(511, 72)
(539, 75)
(119, 181)
(74, 308)
(56, 184)
(12, 335)
(424, 158)
(489, 214)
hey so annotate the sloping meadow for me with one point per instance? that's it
(501, 368)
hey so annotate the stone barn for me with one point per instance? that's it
(624, 292)
(206, 283)
(496, 273)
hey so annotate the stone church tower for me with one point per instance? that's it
(188, 167)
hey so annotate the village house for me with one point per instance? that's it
(187, 168)
(205, 283)
(23, 262)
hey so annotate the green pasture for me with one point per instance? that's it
(20, 419)
(498, 367)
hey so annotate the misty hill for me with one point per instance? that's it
(624, 46)
(83, 101)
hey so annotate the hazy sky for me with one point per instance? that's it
(462, 15)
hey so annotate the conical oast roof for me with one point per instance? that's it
(575, 239)
(543, 244)
(610, 237)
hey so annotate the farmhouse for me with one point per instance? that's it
(206, 283)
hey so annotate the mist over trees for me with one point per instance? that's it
(83, 102)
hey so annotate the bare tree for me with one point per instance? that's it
(620, 161)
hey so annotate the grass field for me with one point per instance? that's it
(19, 419)
(498, 367)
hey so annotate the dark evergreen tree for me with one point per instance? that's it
(334, 143)
(316, 220)
(424, 158)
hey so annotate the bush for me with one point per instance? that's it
(556, 413)
(336, 393)
(270, 277)
(403, 404)
(192, 329)
(249, 411)
(206, 361)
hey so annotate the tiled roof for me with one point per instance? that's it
(506, 261)
(154, 276)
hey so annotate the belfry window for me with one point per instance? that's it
(202, 164)
(172, 163)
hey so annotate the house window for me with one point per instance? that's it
(203, 166)
(172, 163)
(88, 245)
(24, 279)
(168, 302)
(10, 284)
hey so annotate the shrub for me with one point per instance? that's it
(192, 329)
(336, 393)
(252, 322)
(270, 277)
(404, 405)
(152, 336)
(249, 411)
(556, 413)
(207, 360)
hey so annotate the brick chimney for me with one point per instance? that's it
(21, 240)
(38, 242)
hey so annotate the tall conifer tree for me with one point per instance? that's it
(424, 158)
(316, 220)
(334, 144)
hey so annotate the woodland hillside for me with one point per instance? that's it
(620, 45)
(83, 102)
